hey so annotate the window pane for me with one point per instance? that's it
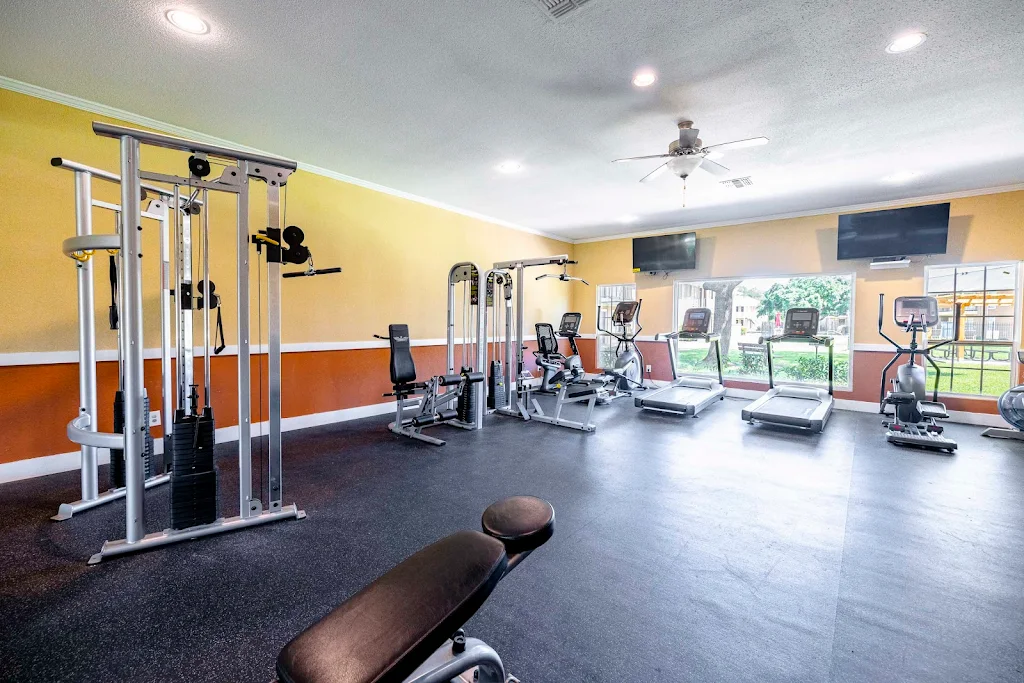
(999, 329)
(965, 378)
(945, 374)
(940, 280)
(1001, 277)
(756, 308)
(995, 382)
(970, 279)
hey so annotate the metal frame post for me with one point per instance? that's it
(166, 373)
(246, 505)
(86, 336)
(132, 334)
(274, 490)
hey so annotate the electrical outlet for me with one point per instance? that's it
(648, 368)
(154, 418)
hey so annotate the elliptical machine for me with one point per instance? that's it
(627, 374)
(913, 422)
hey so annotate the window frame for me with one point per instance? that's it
(850, 323)
(1015, 344)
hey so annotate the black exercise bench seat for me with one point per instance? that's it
(391, 627)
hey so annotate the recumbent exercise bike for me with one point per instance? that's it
(407, 625)
(431, 400)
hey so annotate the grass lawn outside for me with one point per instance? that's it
(965, 380)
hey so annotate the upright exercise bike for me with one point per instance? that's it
(913, 422)
(627, 374)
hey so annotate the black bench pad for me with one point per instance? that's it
(390, 627)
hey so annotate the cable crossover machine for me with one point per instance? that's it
(189, 426)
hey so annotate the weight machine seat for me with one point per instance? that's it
(383, 632)
(403, 369)
(522, 523)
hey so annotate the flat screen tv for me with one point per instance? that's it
(665, 252)
(894, 232)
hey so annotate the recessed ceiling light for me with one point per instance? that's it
(627, 219)
(187, 22)
(905, 42)
(509, 167)
(900, 177)
(644, 78)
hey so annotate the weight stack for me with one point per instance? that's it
(116, 454)
(495, 386)
(468, 399)
(193, 477)
(117, 469)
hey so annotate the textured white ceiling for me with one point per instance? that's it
(426, 97)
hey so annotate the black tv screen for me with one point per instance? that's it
(665, 252)
(894, 232)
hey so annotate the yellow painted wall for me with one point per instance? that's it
(982, 229)
(395, 253)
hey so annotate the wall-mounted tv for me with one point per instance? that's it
(665, 252)
(894, 232)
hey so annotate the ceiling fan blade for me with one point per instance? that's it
(688, 137)
(740, 144)
(655, 173)
(652, 156)
(714, 167)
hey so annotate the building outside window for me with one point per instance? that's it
(756, 307)
(982, 362)
(608, 296)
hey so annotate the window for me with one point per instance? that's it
(756, 307)
(607, 297)
(981, 363)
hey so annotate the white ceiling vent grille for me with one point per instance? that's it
(557, 9)
(737, 182)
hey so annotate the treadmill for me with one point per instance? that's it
(790, 405)
(689, 394)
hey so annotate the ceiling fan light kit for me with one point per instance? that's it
(688, 153)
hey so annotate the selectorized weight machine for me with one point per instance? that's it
(193, 499)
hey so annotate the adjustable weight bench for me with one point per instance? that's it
(406, 625)
(431, 399)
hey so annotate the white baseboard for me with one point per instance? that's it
(66, 462)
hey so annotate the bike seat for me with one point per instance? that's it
(392, 626)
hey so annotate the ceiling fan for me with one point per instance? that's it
(688, 153)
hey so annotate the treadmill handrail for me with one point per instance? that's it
(827, 342)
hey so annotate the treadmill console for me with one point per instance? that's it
(696, 322)
(625, 312)
(801, 322)
(916, 312)
(570, 325)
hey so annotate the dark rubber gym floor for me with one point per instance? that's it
(703, 550)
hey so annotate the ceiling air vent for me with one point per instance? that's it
(737, 182)
(557, 9)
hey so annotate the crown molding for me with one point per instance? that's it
(164, 127)
(888, 204)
